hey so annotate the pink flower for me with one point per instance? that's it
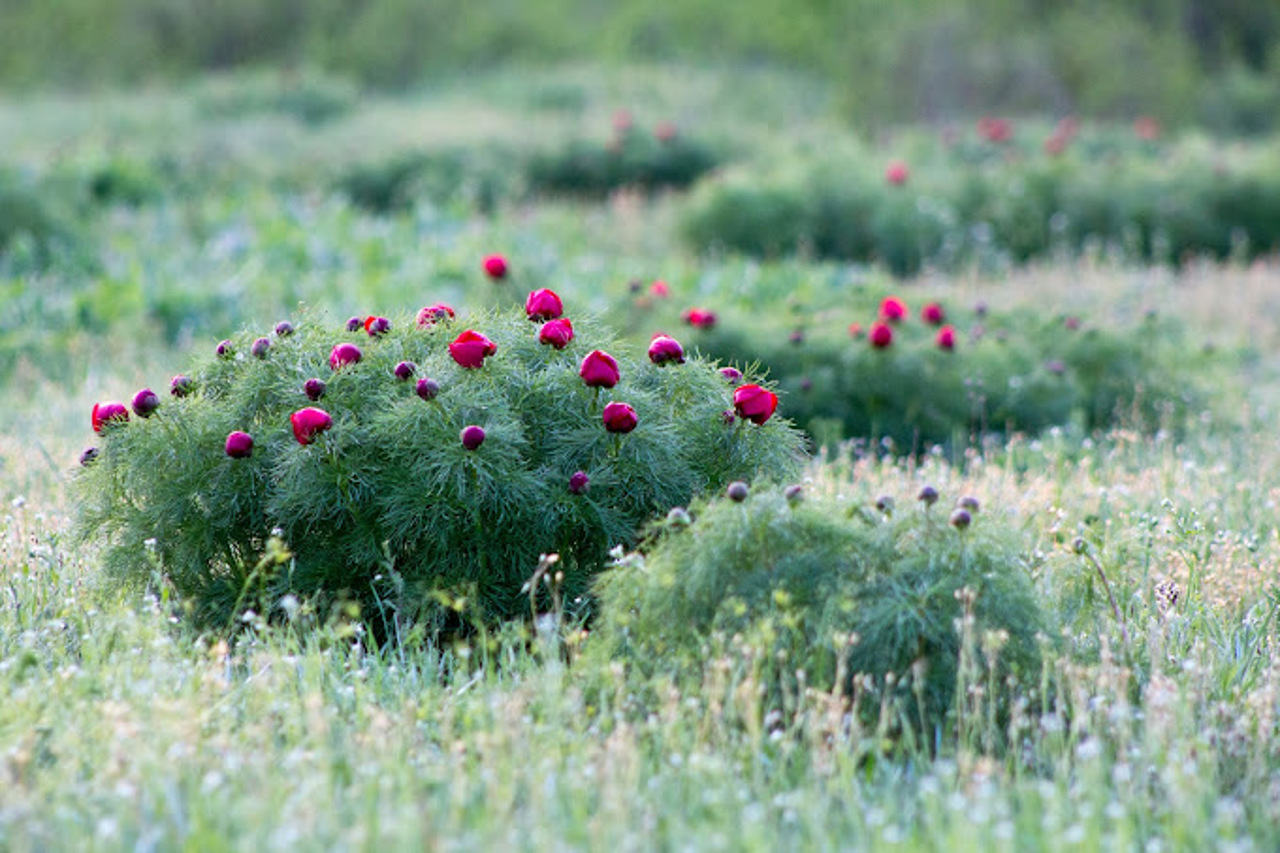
(377, 326)
(856, 331)
(145, 402)
(404, 370)
(180, 386)
(470, 349)
(543, 305)
(495, 266)
(731, 374)
(932, 314)
(663, 349)
(103, 413)
(344, 354)
(665, 131)
(619, 417)
(599, 370)
(946, 338)
(659, 289)
(700, 318)
(239, 445)
(308, 423)
(881, 335)
(578, 482)
(260, 347)
(754, 403)
(472, 437)
(1146, 128)
(896, 173)
(431, 314)
(557, 333)
(284, 329)
(427, 388)
(893, 309)
(995, 129)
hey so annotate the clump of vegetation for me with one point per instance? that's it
(310, 98)
(917, 598)
(35, 225)
(477, 177)
(409, 464)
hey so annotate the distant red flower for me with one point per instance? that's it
(404, 370)
(107, 412)
(1055, 145)
(578, 482)
(995, 129)
(894, 310)
(427, 388)
(946, 338)
(239, 445)
(1147, 128)
(599, 370)
(377, 326)
(619, 417)
(933, 314)
(495, 266)
(896, 173)
(543, 305)
(623, 121)
(470, 349)
(180, 386)
(308, 423)
(856, 331)
(472, 437)
(659, 289)
(432, 314)
(344, 354)
(664, 348)
(556, 333)
(754, 403)
(665, 131)
(1071, 322)
(700, 318)
(731, 374)
(881, 334)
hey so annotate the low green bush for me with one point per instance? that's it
(836, 592)
(476, 178)
(433, 479)
(663, 159)
(310, 98)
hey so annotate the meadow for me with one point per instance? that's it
(1109, 399)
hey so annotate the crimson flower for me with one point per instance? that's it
(470, 349)
(239, 445)
(180, 386)
(731, 374)
(664, 348)
(472, 437)
(377, 326)
(659, 289)
(599, 370)
(427, 388)
(946, 338)
(578, 482)
(431, 314)
(344, 354)
(105, 412)
(932, 314)
(754, 403)
(619, 417)
(495, 266)
(881, 335)
(896, 173)
(404, 370)
(260, 347)
(543, 304)
(557, 333)
(145, 402)
(700, 318)
(308, 423)
(893, 309)
(314, 389)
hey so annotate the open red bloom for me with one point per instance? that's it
(664, 348)
(543, 304)
(344, 354)
(700, 318)
(619, 417)
(659, 289)
(431, 314)
(308, 423)
(932, 314)
(881, 335)
(470, 349)
(754, 403)
(599, 370)
(557, 333)
(495, 266)
(893, 309)
(946, 338)
(896, 173)
(109, 411)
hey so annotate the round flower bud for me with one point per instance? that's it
(731, 374)
(599, 370)
(928, 496)
(260, 347)
(314, 389)
(284, 329)
(663, 349)
(961, 519)
(970, 503)
(794, 493)
(308, 423)
(495, 266)
(472, 437)
(404, 370)
(344, 354)
(619, 417)
(376, 326)
(89, 456)
(737, 491)
(180, 386)
(578, 482)
(679, 517)
(109, 412)
(145, 402)
(355, 324)
(225, 349)
(884, 503)
(427, 388)
(239, 445)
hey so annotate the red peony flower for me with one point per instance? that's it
(225, 349)
(344, 354)
(472, 437)
(995, 129)
(663, 349)
(432, 314)
(754, 403)
(260, 347)
(284, 329)
(106, 412)
(377, 326)
(578, 482)
(946, 338)
(470, 349)
(731, 374)
(314, 389)
(557, 333)
(619, 417)
(881, 335)
(404, 370)
(145, 402)
(665, 131)
(427, 388)
(932, 314)
(180, 386)
(894, 310)
(599, 370)
(659, 289)
(495, 266)
(543, 305)
(896, 173)
(308, 423)
(239, 445)
(856, 331)
(1146, 128)
(700, 318)
(355, 324)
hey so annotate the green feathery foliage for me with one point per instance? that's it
(833, 591)
(387, 507)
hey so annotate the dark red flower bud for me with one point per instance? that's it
(737, 491)
(946, 338)
(433, 314)
(881, 335)
(472, 437)
(893, 310)
(663, 349)
(103, 413)
(557, 333)
(970, 503)
(427, 388)
(578, 482)
(961, 519)
(896, 173)
(619, 417)
(89, 456)
(659, 289)
(700, 318)
(495, 266)
(470, 349)
(284, 329)
(308, 423)
(928, 496)
(794, 493)
(376, 326)
(599, 370)
(344, 354)
(754, 403)
(260, 347)
(933, 314)
(225, 349)
(728, 417)
(355, 324)
(145, 402)
(731, 374)
(180, 386)
(240, 445)
(543, 305)
(314, 389)
(404, 370)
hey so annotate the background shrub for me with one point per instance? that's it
(632, 158)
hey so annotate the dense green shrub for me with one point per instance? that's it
(35, 223)
(632, 158)
(310, 98)
(392, 506)
(832, 590)
(474, 177)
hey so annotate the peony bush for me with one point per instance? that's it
(411, 464)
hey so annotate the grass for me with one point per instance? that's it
(122, 729)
